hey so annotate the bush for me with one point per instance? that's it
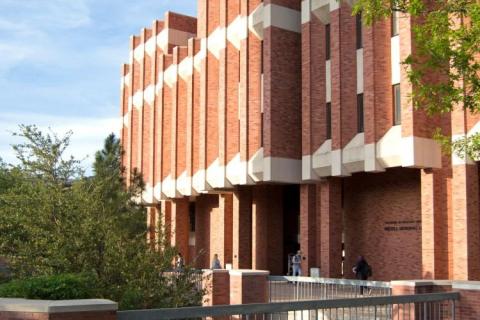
(57, 287)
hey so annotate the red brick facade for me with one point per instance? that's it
(284, 142)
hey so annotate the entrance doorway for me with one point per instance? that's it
(291, 223)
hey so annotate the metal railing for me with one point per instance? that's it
(432, 306)
(195, 276)
(285, 288)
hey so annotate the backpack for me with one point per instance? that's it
(296, 259)
(369, 271)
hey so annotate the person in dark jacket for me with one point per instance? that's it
(362, 270)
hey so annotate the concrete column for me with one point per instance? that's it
(180, 226)
(242, 228)
(308, 226)
(332, 228)
(217, 287)
(248, 286)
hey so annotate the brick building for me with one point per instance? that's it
(262, 127)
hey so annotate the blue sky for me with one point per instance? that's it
(60, 65)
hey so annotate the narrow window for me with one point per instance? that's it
(394, 23)
(327, 42)
(191, 213)
(360, 127)
(397, 105)
(359, 30)
(329, 120)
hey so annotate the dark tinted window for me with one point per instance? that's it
(360, 127)
(394, 23)
(327, 42)
(359, 31)
(329, 120)
(397, 105)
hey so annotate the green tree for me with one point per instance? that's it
(447, 43)
(54, 220)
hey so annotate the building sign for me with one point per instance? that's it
(403, 225)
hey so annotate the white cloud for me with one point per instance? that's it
(46, 14)
(88, 133)
(27, 29)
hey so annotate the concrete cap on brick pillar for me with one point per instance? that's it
(420, 286)
(214, 271)
(420, 283)
(247, 272)
(60, 306)
(466, 285)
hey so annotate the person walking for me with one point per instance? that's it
(362, 271)
(216, 262)
(297, 264)
(179, 262)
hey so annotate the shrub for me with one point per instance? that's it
(57, 287)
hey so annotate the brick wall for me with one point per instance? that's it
(374, 202)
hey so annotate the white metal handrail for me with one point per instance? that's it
(266, 310)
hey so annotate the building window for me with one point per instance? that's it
(360, 127)
(191, 213)
(358, 18)
(327, 42)
(397, 105)
(394, 23)
(329, 120)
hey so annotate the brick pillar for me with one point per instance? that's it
(242, 228)
(415, 311)
(152, 226)
(221, 228)
(217, 287)
(226, 209)
(434, 193)
(202, 230)
(165, 220)
(180, 226)
(259, 228)
(267, 229)
(248, 286)
(274, 210)
(343, 66)
(308, 231)
(331, 228)
(467, 308)
(465, 211)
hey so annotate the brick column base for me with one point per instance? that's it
(416, 287)
(248, 286)
(217, 287)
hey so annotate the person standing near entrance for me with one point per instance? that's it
(216, 262)
(362, 270)
(297, 264)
